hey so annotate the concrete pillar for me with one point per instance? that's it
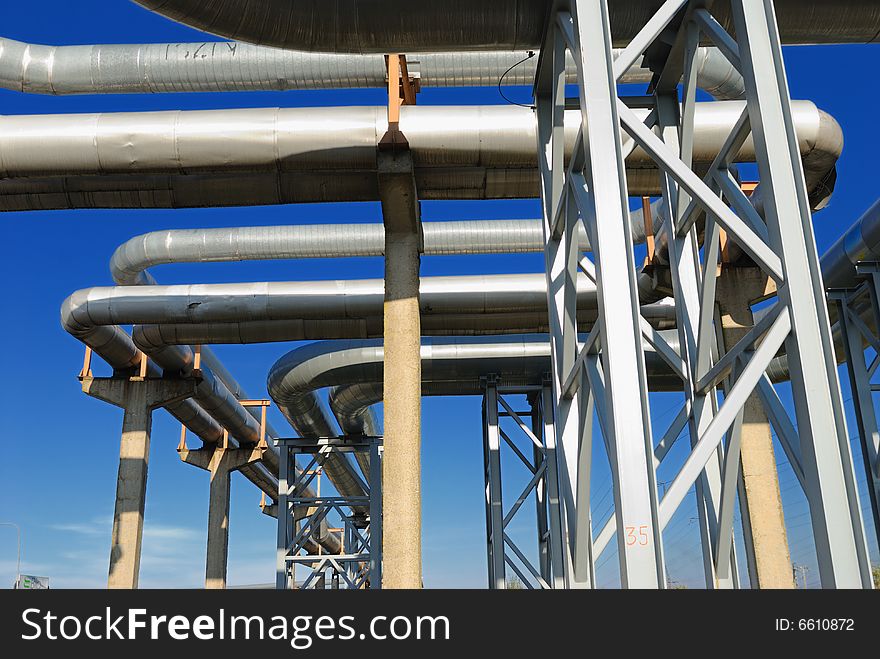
(138, 397)
(737, 289)
(220, 461)
(217, 550)
(401, 464)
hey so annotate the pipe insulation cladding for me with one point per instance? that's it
(290, 155)
(392, 26)
(234, 66)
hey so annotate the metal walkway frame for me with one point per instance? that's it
(607, 370)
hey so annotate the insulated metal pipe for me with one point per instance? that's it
(222, 66)
(861, 242)
(289, 155)
(131, 260)
(450, 366)
(372, 26)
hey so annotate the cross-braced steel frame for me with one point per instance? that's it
(857, 310)
(535, 430)
(303, 514)
(606, 372)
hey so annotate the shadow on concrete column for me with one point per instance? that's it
(401, 465)
(220, 461)
(138, 397)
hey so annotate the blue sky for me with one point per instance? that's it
(57, 477)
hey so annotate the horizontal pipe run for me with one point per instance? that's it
(235, 66)
(290, 155)
(861, 242)
(385, 26)
(135, 256)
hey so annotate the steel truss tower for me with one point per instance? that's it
(302, 517)
(539, 459)
(854, 307)
(606, 372)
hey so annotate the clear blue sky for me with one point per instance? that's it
(57, 476)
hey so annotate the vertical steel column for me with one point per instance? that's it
(676, 129)
(561, 257)
(554, 502)
(375, 516)
(871, 440)
(860, 384)
(541, 518)
(494, 509)
(837, 523)
(629, 429)
(284, 518)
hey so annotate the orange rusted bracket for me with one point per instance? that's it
(402, 90)
(224, 443)
(263, 404)
(197, 358)
(649, 229)
(748, 187)
(86, 371)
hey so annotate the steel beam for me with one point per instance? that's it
(626, 392)
(837, 524)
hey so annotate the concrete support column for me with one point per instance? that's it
(138, 397)
(401, 464)
(220, 461)
(737, 289)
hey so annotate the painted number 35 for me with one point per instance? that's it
(637, 535)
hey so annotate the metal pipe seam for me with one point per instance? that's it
(369, 26)
(222, 66)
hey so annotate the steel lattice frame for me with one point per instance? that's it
(502, 551)
(300, 516)
(607, 370)
(853, 307)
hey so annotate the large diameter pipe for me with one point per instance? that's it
(450, 366)
(289, 155)
(861, 242)
(237, 66)
(373, 26)
(131, 260)
(661, 315)
(311, 300)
